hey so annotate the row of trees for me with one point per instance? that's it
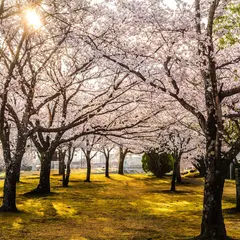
(90, 148)
(54, 88)
(142, 71)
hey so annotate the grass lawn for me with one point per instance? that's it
(127, 207)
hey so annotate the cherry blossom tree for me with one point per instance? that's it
(90, 148)
(179, 143)
(106, 148)
(28, 42)
(177, 52)
(67, 167)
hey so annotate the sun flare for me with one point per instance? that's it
(33, 18)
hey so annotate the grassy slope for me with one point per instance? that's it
(123, 207)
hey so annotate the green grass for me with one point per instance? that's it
(127, 207)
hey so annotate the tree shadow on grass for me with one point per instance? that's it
(33, 194)
(77, 181)
(199, 238)
(231, 211)
(12, 214)
(22, 182)
(180, 192)
(35, 177)
(135, 176)
(230, 199)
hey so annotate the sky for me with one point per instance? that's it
(172, 3)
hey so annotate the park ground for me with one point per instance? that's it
(137, 207)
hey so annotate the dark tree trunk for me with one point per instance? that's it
(174, 176)
(237, 175)
(67, 175)
(88, 169)
(106, 152)
(122, 155)
(120, 166)
(107, 167)
(213, 226)
(61, 158)
(179, 178)
(44, 182)
(232, 171)
(12, 171)
(9, 192)
(18, 173)
(64, 182)
(176, 171)
(61, 167)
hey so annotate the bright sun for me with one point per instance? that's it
(33, 18)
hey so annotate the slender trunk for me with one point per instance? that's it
(61, 166)
(64, 179)
(9, 192)
(213, 226)
(179, 178)
(122, 155)
(107, 167)
(71, 151)
(120, 166)
(44, 182)
(88, 169)
(61, 158)
(67, 175)
(173, 183)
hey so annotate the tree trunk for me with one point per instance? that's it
(120, 166)
(71, 151)
(122, 155)
(67, 175)
(237, 175)
(232, 171)
(61, 158)
(107, 167)
(173, 183)
(179, 178)
(18, 173)
(176, 172)
(44, 182)
(12, 172)
(213, 226)
(88, 169)
(61, 166)
(9, 192)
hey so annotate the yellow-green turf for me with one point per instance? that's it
(125, 207)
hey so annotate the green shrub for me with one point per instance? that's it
(157, 163)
